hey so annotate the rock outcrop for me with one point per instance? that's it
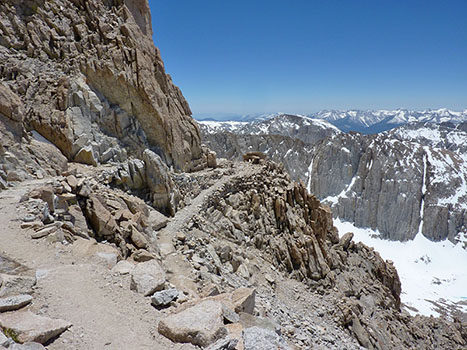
(88, 85)
(91, 80)
(278, 223)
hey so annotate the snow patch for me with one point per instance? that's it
(429, 271)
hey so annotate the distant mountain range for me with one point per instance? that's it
(363, 121)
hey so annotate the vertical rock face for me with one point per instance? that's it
(89, 75)
(391, 184)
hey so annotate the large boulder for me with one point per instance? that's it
(147, 277)
(200, 325)
(100, 218)
(10, 104)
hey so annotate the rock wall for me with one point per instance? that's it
(396, 186)
(92, 82)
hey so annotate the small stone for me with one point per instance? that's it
(212, 290)
(157, 220)
(230, 316)
(181, 236)
(72, 181)
(85, 190)
(269, 278)
(142, 255)
(29, 218)
(164, 297)
(14, 302)
(33, 224)
(27, 346)
(243, 271)
(44, 232)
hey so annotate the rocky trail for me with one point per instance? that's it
(182, 217)
(79, 287)
(166, 235)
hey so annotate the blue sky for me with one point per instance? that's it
(242, 57)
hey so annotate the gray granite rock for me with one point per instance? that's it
(164, 297)
(14, 302)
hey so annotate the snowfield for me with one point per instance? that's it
(429, 271)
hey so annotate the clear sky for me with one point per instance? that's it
(300, 56)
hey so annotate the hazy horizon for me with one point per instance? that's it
(224, 115)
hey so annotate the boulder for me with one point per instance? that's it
(10, 104)
(230, 316)
(100, 218)
(78, 220)
(244, 300)
(164, 193)
(138, 238)
(47, 194)
(29, 327)
(86, 156)
(103, 253)
(235, 331)
(44, 232)
(142, 255)
(200, 325)
(147, 277)
(72, 181)
(16, 284)
(14, 302)
(157, 220)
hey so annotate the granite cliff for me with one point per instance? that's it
(88, 78)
